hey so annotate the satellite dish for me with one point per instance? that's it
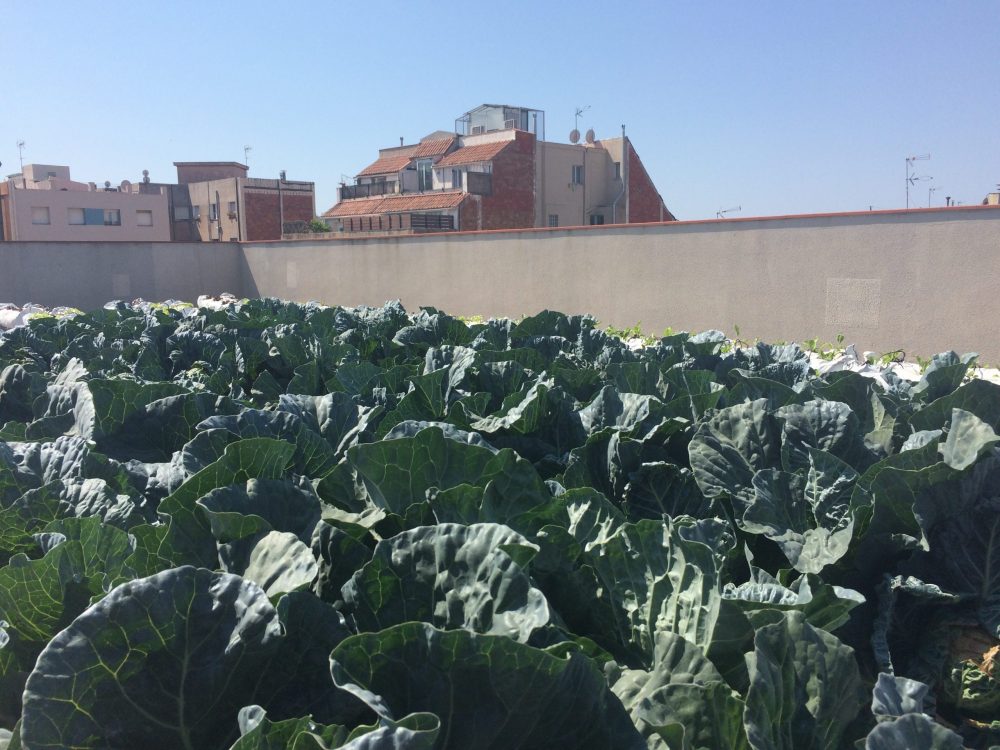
(589, 136)
(574, 136)
(145, 175)
(107, 183)
(126, 186)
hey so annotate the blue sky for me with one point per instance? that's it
(778, 107)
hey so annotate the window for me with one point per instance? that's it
(76, 216)
(93, 217)
(577, 174)
(112, 217)
(425, 175)
(232, 208)
(144, 218)
(456, 178)
(50, 175)
(596, 219)
(213, 211)
(182, 213)
(40, 215)
(553, 220)
(196, 213)
(618, 170)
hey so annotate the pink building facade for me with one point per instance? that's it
(44, 204)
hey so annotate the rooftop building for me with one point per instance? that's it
(43, 203)
(497, 171)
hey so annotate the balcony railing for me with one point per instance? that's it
(367, 190)
(403, 222)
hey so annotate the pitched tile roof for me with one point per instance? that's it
(388, 164)
(385, 204)
(433, 148)
(472, 154)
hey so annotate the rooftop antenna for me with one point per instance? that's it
(574, 134)
(246, 154)
(20, 151)
(721, 213)
(929, 192)
(911, 178)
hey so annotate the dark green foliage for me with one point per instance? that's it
(296, 527)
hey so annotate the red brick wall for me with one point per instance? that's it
(645, 203)
(468, 214)
(262, 215)
(512, 204)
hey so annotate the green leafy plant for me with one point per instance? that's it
(275, 525)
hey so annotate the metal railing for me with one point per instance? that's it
(367, 190)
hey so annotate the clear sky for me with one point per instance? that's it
(777, 107)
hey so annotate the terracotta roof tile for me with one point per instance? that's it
(472, 154)
(396, 203)
(433, 148)
(389, 164)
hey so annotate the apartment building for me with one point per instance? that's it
(497, 171)
(43, 203)
(216, 200)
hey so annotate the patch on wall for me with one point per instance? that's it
(291, 274)
(121, 285)
(853, 302)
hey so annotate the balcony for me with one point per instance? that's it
(368, 190)
(479, 183)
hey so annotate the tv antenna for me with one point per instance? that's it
(246, 154)
(578, 113)
(911, 177)
(20, 151)
(929, 192)
(721, 213)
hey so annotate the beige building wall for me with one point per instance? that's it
(88, 274)
(923, 280)
(59, 229)
(41, 172)
(557, 194)
(203, 195)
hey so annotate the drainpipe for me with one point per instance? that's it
(625, 171)
(218, 217)
(614, 205)
(239, 212)
(281, 206)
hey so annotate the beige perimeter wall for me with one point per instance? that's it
(923, 281)
(88, 274)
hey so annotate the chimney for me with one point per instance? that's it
(947, 200)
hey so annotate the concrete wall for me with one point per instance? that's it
(88, 274)
(924, 280)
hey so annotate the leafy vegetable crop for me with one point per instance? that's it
(292, 526)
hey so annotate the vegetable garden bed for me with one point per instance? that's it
(273, 525)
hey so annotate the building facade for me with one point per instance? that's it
(497, 171)
(42, 203)
(215, 201)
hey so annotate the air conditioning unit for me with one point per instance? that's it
(510, 124)
(478, 129)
